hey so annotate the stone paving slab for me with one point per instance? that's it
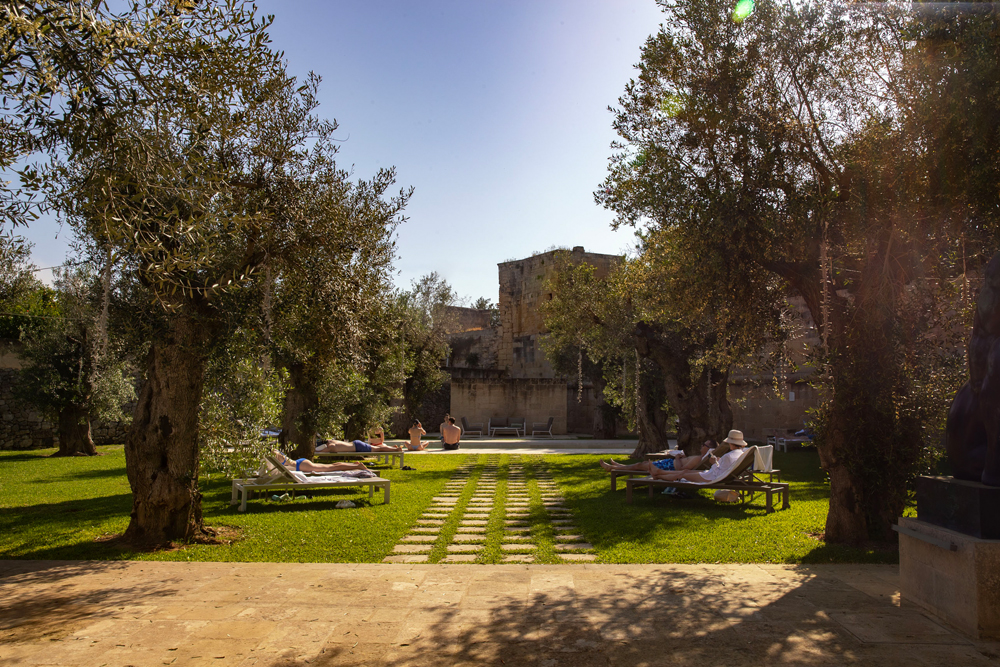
(94, 613)
(411, 548)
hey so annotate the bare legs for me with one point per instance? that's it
(308, 466)
(610, 465)
(386, 448)
(348, 447)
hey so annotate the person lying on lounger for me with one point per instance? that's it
(305, 465)
(718, 470)
(377, 444)
(680, 462)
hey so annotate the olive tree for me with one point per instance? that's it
(72, 371)
(794, 146)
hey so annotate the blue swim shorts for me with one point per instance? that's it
(664, 464)
(362, 446)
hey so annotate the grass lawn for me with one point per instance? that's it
(65, 508)
(701, 530)
(60, 508)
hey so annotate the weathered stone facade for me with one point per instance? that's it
(22, 427)
(781, 403)
(532, 399)
(502, 371)
(522, 291)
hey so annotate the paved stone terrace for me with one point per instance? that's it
(284, 615)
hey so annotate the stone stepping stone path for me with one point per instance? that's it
(416, 546)
(470, 539)
(569, 544)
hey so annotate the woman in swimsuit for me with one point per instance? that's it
(305, 465)
(415, 432)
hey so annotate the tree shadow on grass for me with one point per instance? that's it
(34, 528)
(25, 457)
(82, 475)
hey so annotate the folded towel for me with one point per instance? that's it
(343, 476)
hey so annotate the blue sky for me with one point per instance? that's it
(496, 112)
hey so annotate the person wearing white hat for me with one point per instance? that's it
(719, 469)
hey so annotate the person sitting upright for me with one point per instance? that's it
(451, 434)
(415, 432)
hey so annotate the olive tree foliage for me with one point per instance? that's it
(329, 311)
(794, 147)
(22, 295)
(661, 355)
(72, 371)
(55, 56)
(424, 328)
(243, 397)
(193, 185)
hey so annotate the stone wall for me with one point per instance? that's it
(22, 427)
(458, 318)
(522, 291)
(533, 399)
(756, 408)
(473, 349)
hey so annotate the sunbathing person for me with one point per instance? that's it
(377, 445)
(680, 462)
(305, 465)
(718, 470)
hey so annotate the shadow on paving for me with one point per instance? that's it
(666, 618)
(558, 616)
(59, 604)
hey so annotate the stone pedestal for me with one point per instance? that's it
(952, 575)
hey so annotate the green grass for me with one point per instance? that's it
(700, 530)
(60, 508)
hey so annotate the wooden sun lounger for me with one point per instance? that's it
(737, 480)
(279, 478)
(386, 456)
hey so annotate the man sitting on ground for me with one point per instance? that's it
(679, 462)
(451, 434)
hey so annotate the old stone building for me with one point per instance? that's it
(500, 369)
(780, 401)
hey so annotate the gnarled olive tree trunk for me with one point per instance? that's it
(702, 404)
(74, 433)
(298, 417)
(161, 447)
